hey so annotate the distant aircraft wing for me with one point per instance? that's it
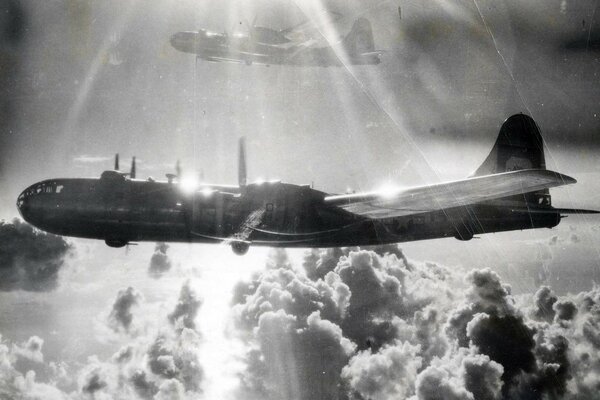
(441, 196)
(309, 24)
(223, 59)
(373, 53)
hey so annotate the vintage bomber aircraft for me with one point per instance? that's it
(509, 191)
(269, 46)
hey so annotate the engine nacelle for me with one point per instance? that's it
(240, 248)
(116, 243)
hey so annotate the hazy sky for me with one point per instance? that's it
(96, 78)
(83, 79)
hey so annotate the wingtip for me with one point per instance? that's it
(565, 179)
(568, 179)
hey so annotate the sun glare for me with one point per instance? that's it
(189, 184)
(220, 271)
(389, 190)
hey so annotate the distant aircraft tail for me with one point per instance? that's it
(519, 146)
(360, 39)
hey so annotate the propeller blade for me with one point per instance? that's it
(250, 30)
(133, 168)
(242, 179)
(117, 162)
(178, 169)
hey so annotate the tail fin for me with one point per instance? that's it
(519, 146)
(360, 39)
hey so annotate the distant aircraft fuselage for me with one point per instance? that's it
(267, 46)
(508, 192)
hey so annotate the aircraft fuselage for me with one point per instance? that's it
(220, 47)
(120, 210)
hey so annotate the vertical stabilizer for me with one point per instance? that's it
(519, 146)
(242, 179)
(360, 39)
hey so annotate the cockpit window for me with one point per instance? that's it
(42, 188)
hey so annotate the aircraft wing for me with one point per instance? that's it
(441, 196)
(309, 25)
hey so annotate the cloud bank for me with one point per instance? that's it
(343, 324)
(162, 361)
(30, 259)
(370, 324)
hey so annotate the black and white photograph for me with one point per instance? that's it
(300, 199)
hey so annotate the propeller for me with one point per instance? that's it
(176, 175)
(251, 27)
(178, 169)
(133, 168)
(132, 172)
(251, 30)
(242, 171)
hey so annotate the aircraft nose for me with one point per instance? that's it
(24, 206)
(176, 40)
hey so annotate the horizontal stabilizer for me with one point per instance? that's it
(410, 201)
(575, 211)
(552, 210)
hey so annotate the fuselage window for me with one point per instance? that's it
(59, 188)
(544, 200)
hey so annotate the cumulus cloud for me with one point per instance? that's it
(160, 261)
(362, 301)
(18, 381)
(120, 317)
(565, 310)
(159, 361)
(94, 381)
(288, 321)
(31, 349)
(401, 329)
(482, 376)
(371, 325)
(317, 263)
(544, 304)
(186, 308)
(438, 383)
(390, 373)
(176, 357)
(29, 259)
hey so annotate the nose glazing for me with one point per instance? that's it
(23, 205)
(177, 39)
